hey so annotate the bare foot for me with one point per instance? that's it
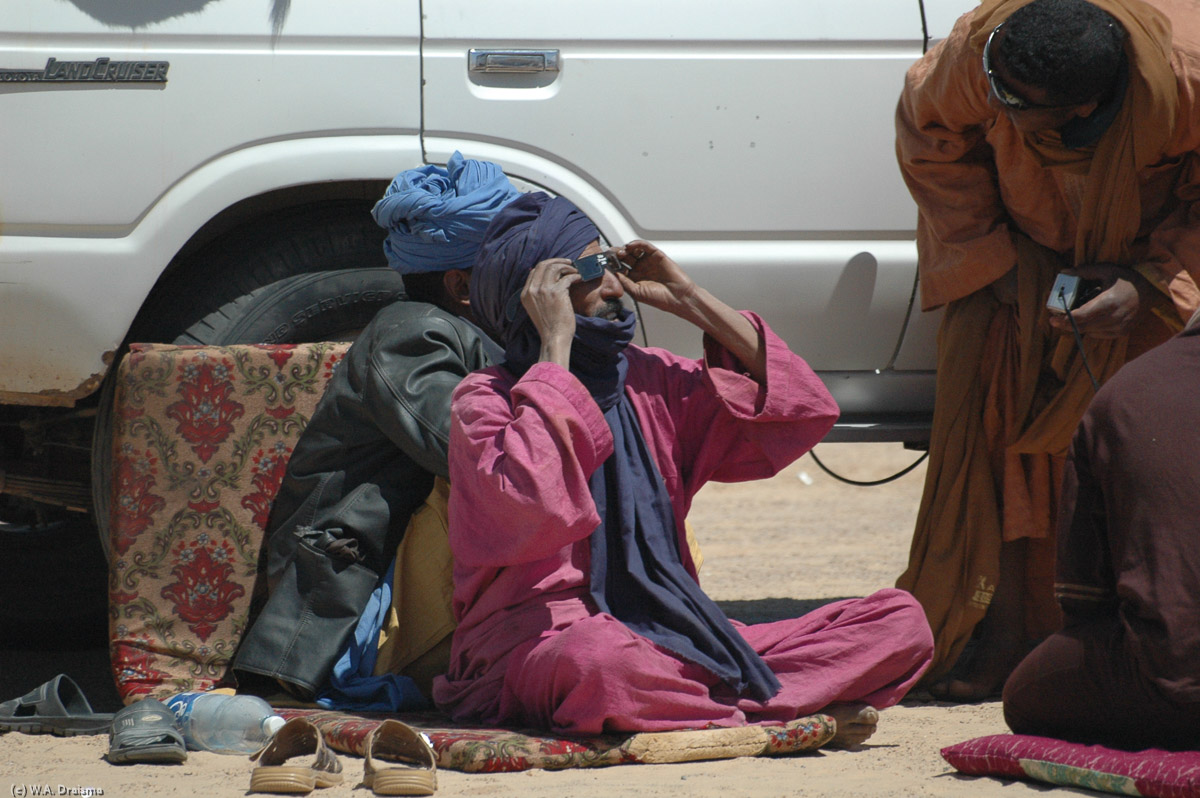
(855, 723)
(998, 648)
(966, 691)
(983, 674)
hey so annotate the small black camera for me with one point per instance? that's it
(1070, 292)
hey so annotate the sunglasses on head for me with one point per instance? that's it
(1001, 92)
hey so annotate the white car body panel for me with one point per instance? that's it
(940, 16)
(112, 180)
(66, 301)
(753, 141)
(715, 139)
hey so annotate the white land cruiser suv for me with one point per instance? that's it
(169, 168)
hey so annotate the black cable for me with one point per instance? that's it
(871, 483)
(637, 309)
(1078, 341)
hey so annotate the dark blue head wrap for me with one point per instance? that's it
(436, 217)
(637, 572)
(532, 228)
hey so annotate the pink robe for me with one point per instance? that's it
(531, 648)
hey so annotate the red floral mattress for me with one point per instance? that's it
(201, 439)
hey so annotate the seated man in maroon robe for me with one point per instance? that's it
(1125, 669)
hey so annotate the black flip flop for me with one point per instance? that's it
(145, 732)
(56, 707)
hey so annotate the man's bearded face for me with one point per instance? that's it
(609, 310)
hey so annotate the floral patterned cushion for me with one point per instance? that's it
(202, 435)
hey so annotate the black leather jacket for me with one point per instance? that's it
(365, 462)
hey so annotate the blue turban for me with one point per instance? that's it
(531, 229)
(436, 217)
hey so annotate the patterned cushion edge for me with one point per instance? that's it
(1153, 773)
(488, 750)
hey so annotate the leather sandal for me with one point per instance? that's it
(399, 761)
(296, 738)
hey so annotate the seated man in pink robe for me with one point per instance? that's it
(573, 467)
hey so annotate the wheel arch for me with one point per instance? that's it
(113, 271)
(530, 170)
(259, 185)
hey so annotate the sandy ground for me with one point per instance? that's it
(772, 549)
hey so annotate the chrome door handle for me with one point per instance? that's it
(513, 60)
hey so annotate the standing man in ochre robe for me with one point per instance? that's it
(1038, 137)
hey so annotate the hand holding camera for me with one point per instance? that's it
(653, 278)
(1071, 292)
(1103, 300)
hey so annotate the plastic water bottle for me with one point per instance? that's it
(224, 724)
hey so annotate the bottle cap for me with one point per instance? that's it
(273, 724)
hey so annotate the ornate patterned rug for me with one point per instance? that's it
(488, 750)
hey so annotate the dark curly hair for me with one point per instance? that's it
(1069, 48)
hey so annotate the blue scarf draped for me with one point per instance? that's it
(637, 572)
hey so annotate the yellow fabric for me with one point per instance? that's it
(693, 546)
(422, 588)
(1010, 392)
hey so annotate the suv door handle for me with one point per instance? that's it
(513, 60)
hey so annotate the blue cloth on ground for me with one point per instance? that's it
(353, 685)
(436, 217)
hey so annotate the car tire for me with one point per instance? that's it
(320, 238)
(317, 306)
(321, 306)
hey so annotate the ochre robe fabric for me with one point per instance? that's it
(1010, 390)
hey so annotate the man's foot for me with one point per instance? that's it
(983, 673)
(965, 691)
(999, 641)
(855, 723)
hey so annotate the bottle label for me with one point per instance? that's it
(181, 704)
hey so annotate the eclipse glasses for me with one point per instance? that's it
(590, 267)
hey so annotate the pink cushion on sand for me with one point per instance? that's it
(1163, 774)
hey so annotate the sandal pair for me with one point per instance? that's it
(399, 761)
